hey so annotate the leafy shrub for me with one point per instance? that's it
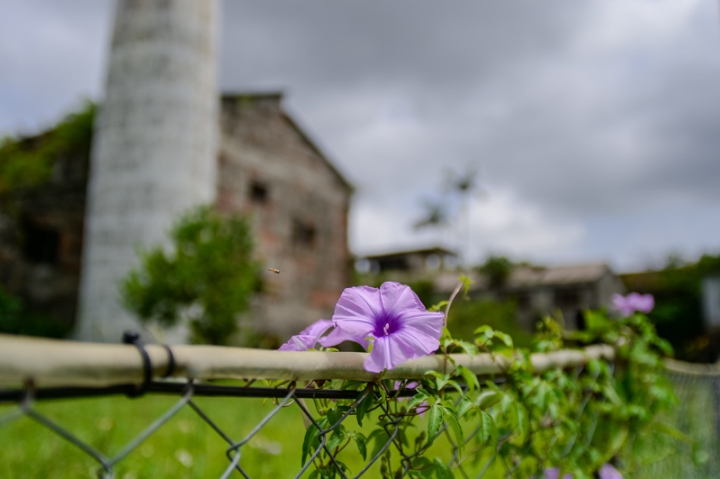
(466, 315)
(15, 318)
(207, 278)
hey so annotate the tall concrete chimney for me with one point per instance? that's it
(154, 150)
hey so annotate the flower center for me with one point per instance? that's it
(385, 325)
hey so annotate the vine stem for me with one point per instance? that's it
(450, 302)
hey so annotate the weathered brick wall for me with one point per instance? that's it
(298, 204)
(40, 247)
(300, 223)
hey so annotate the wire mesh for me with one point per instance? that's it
(326, 458)
(698, 417)
(291, 434)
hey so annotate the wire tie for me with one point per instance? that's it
(133, 337)
(171, 361)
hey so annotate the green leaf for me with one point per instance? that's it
(454, 384)
(522, 419)
(311, 436)
(437, 307)
(488, 398)
(337, 437)
(505, 338)
(465, 405)
(380, 438)
(334, 415)
(454, 423)
(488, 429)
(419, 398)
(442, 471)
(435, 421)
(363, 407)
(469, 377)
(361, 443)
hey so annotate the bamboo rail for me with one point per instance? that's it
(49, 363)
(694, 369)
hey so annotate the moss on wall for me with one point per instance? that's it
(26, 162)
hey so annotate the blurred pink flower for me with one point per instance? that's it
(554, 473)
(394, 318)
(605, 472)
(627, 305)
(609, 472)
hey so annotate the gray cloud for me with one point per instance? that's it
(594, 124)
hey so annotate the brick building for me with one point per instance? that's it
(268, 169)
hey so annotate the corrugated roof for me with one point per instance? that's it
(428, 251)
(526, 277)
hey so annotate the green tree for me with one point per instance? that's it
(497, 269)
(208, 276)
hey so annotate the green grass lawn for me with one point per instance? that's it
(185, 447)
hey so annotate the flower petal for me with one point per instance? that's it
(307, 337)
(318, 328)
(397, 298)
(424, 322)
(414, 343)
(384, 355)
(339, 335)
(357, 309)
(299, 342)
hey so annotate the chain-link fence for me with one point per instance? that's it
(71, 416)
(697, 415)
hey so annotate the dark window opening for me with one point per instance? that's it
(259, 192)
(567, 299)
(42, 244)
(394, 263)
(303, 233)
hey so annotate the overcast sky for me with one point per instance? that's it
(594, 125)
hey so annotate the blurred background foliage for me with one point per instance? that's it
(678, 314)
(28, 161)
(206, 278)
(16, 318)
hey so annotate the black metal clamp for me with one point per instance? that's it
(133, 337)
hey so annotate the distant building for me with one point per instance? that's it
(411, 262)
(538, 291)
(267, 169)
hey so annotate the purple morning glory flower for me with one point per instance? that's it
(627, 305)
(394, 318)
(609, 472)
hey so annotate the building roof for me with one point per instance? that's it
(277, 96)
(423, 251)
(523, 276)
